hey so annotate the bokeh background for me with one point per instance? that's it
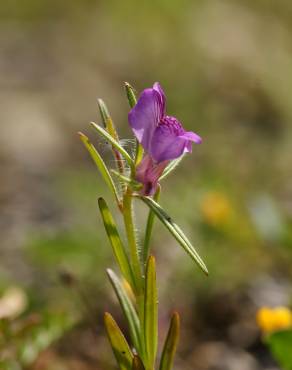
(226, 67)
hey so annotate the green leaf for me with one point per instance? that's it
(128, 309)
(280, 344)
(149, 226)
(137, 363)
(130, 95)
(116, 242)
(132, 102)
(100, 165)
(103, 112)
(175, 231)
(170, 344)
(135, 185)
(118, 342)
(171, 166)
(151, 312)
(107, 120)
(115, 144)
(110, 128)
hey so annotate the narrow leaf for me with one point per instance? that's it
(130, 95)
(132, 102)
(118, 342)
(175, 231)
(151, 312)
(115, 144)
(171, 166)
(103, 111)
(137, 363)
(135, 185)
(100, 165)
(149, 226)
(107, 120)
(128, 309)
(170, 344)
(116, 242)
(110, 128)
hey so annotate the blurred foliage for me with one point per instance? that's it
(280, 344)
(22, 340)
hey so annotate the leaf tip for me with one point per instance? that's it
(205, 270)
(151, 260)
(101, 201)
(82, 136)
(151, 264)
(137, 363)
(175, 316)
(109, 272)
(175, 320)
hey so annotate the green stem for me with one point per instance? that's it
(149, 227)
(135, 262)
(131, 236)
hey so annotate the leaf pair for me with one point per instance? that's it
(124, 356)
(144, 335)
(112, 138)
(107, 136)
(128, 310)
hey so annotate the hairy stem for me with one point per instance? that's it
(136, 263)
(131, 236)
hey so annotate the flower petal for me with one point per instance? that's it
(170, 140)
(158, 88)
(145, 116)
(167, 146)
(148, 174)
(190, 135)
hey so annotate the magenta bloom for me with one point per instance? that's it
(162, 136)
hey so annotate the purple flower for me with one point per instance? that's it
(148, 173)
(162, 136)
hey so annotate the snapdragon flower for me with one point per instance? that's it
(162, 136)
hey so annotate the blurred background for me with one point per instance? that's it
(226, 68)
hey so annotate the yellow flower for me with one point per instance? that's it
(216, 208)
(273, 319)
